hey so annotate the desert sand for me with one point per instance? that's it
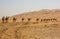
(43, 28)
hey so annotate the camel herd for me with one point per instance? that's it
(5, 19)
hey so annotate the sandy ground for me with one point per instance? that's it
(32, 29)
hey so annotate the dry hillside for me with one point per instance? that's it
(41, 14)
(47, 27)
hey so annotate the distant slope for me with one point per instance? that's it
(45, 13)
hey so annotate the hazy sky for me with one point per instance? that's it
(12, 7)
